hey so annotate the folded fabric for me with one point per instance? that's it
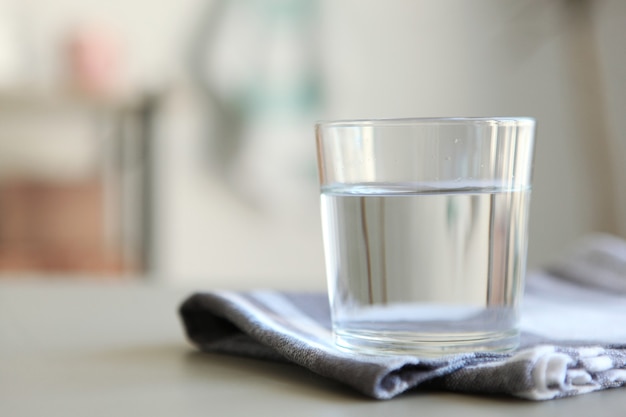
(573, 335)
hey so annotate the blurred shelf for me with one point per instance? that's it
(99, 220)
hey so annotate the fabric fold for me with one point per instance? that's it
(573, 339)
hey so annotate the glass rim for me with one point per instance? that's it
(408, 121)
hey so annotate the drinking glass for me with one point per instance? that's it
(425, 231)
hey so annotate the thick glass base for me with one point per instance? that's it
(424, 344)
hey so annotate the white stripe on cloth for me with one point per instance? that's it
(257, 315)
(282, 306)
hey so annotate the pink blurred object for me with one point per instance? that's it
(95, 60)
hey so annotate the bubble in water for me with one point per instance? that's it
(456, 141)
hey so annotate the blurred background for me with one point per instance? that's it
(172, 141)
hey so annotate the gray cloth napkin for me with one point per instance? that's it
(573, 335)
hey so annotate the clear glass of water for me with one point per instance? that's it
(425, 232)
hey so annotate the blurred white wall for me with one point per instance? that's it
(408, 58)
(379, 59)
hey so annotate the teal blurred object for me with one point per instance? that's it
(256, 63)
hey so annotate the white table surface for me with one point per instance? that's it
(92, 349)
